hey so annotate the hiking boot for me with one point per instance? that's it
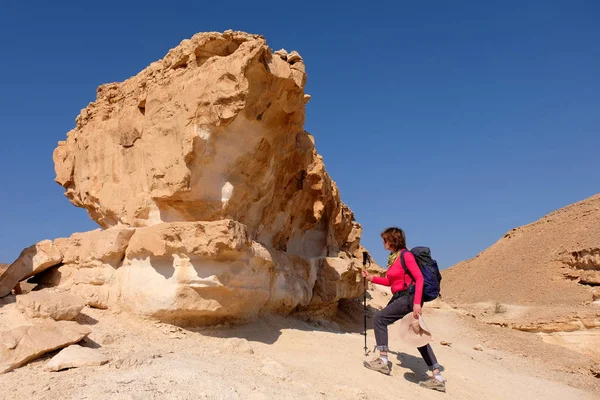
(378, 365)
(433, 384)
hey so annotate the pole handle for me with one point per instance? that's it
(366, 258)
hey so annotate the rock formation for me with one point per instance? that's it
(211, 132)
(213, 200)
(33, 260)
(59, 306)
(24, 344)
(76, 356)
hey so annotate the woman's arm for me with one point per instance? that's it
(381, 281)
(375, 279)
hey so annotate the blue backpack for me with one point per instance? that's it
(429, 269)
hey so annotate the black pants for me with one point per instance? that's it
(400, 305)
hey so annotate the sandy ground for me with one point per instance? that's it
(286, 358)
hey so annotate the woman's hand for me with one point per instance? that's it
(417, 311)
(365, 274)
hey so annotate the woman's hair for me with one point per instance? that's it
(395, 238)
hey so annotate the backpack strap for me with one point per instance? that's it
(406, 271)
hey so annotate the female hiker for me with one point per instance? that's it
(404, 301)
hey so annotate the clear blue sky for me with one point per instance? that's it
(457, 120)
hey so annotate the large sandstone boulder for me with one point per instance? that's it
(50, 304)
(84, 263)
(76, 356)
(213, 131)
(22, 344)
(194, 270)
(205, 272)
(95, 248)
(214, 202)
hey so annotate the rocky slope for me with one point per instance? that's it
(553, 261)
(541, 278)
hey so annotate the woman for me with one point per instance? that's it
(405, 299)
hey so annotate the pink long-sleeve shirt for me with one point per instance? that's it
(399, 280)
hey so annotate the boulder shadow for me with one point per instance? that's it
(267, 329)
(350, 315)
(89, 343)
(256, 331)
(85, 319)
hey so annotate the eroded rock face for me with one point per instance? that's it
(213, 131)
(203, 272)
(199, 271)
(89, 261)
(214, 202)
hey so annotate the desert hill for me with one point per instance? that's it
(553, 261)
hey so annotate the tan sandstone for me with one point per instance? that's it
(76, 356)
(22, 344)
(213, 131)
(31, 261)
(208, 271)
(50, 304)
(214, 202)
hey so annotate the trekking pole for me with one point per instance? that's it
(366, 259)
